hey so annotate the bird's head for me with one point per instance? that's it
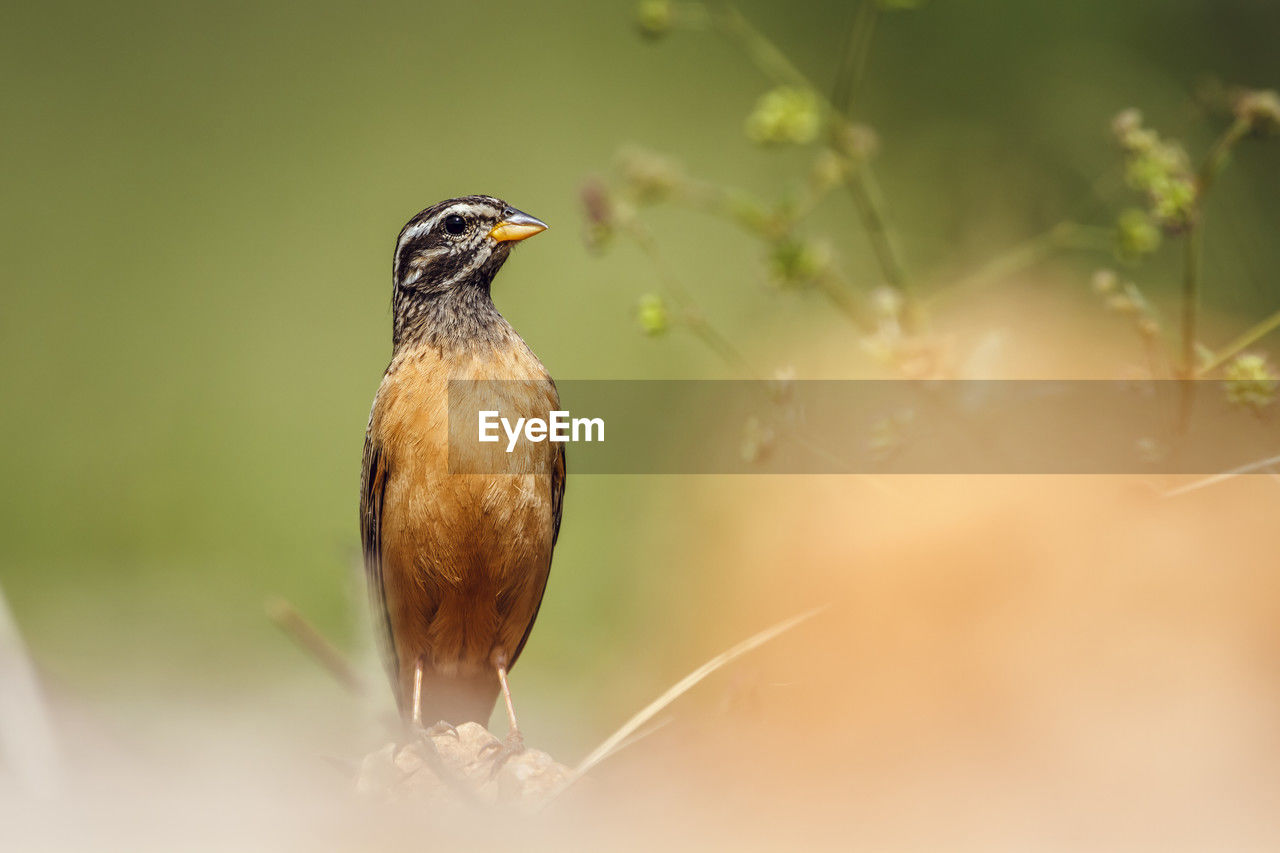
(461, 242)
(445, 260)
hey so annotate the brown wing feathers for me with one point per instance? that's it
(373, 486)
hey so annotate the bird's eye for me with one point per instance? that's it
(455, 224)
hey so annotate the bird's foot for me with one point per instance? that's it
(417, 735)
(443, 727)
(500, 752)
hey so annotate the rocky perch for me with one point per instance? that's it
(463, 766)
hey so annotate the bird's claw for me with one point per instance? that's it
(443, 727)
(503, 751)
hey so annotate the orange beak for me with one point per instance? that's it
(516, 225)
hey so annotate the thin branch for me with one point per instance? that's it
(853, 63)
(1192, 251)
(323, 652)
(1030, 252)
(862, 186)
(1246, 340)
(842, 297)
(1193, 247)
(866, 197)
(1192, 244)
(711, 336)
(1216, 160)
(691, 316)
(759, 49)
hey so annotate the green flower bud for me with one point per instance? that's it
(1125, 126)
(830, 170)
(1104, 282)
(1156, 164)
(887, 303)
(651, 314)
(1174, 203)
(785, 115)
(598, 209)
(654, 18)
(1262, 110)
(648, 177)
(1136, 236)
(1160, 169)
(1250, 381)
(799, 263)
(856, 141)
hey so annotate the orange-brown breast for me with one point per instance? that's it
(464, 558)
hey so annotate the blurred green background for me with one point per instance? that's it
(201, 200)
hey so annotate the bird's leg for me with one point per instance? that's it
(414, 730)
(417, 693)
(515, 740)
(441, 727)
(514, 743)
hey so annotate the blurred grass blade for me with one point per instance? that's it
(642, 734)
(28, 748)
(1259, 467)
(618, 738)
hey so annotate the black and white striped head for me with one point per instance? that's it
(446, 258)
(458, 243)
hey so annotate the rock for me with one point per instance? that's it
(531, 778)
(454, 767)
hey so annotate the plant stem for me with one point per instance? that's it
(853, 62)
(690, 315)
(842, 299)
(774, 63)
(1191, 251)
(712, 337)
(1218, 154)
(1247, 339)
(764, 53)
(862, 184)
(866, 197)
(1028, 253)
(1193, 240)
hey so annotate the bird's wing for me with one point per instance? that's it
(557, 495)
(373, 485)
(557, 509)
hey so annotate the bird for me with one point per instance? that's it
(456, 563)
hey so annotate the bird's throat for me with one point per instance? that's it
(460, 317)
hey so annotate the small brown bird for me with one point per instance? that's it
(456, 563)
